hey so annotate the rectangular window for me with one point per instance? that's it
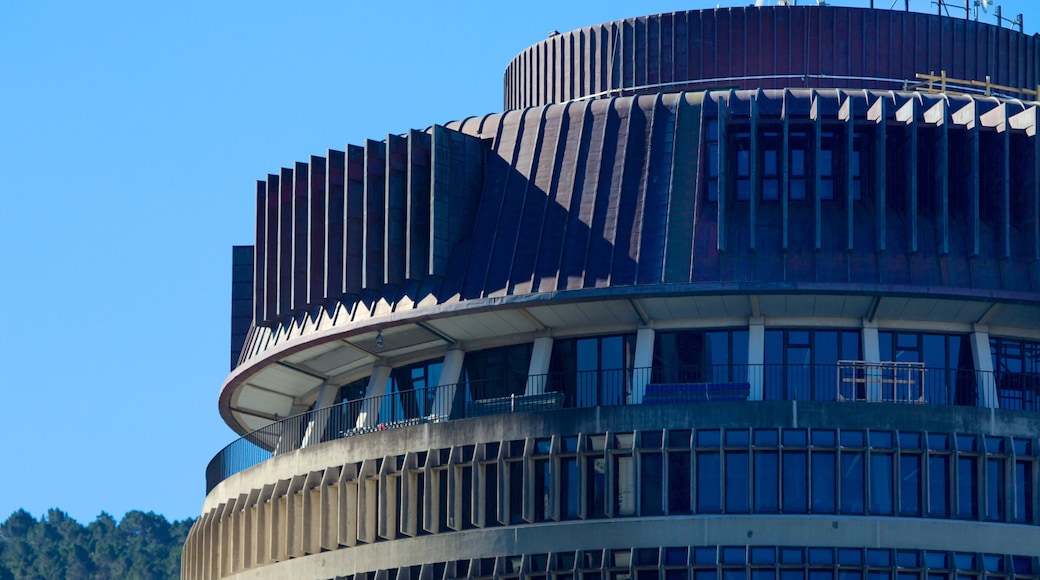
(938, 485)
(569, 480)
(1023, 491)
(679, 482)
(650, 477)
(737, 484)
(852, 482)
(767, 495)
(624, 486)
(823, 481)
(595, 486)
(967, 484)
(995, 488)
(881, 496)
(794, 488)
(708, 482)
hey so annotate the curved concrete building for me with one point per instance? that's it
(692, 309)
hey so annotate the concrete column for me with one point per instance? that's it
(644, 359)
(451, 370)
(369, 415)
(872, 354)
(541, 352)
(983, 359)
(756, 357)
(320, 416)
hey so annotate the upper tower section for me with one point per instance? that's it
(768, 47)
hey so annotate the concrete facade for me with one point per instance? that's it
(784, 328)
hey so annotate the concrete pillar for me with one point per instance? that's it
(319, 418)
(541, 352)
(983, 359)
(369, 415)
(872, 354)
(451, 370)
(756, 357)
(642, 363)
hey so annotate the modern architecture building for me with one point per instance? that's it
(728, 293)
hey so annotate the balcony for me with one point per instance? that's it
(846, 382)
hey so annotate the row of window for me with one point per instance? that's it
(725, 563)
(799, 364)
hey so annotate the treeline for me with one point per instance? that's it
(143, 546)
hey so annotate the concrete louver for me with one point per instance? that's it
(362, 219)
(612, 193)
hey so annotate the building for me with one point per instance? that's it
(723, 293)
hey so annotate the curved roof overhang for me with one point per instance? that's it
(285, 378)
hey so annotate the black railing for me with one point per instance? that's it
(614, 387)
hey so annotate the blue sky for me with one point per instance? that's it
(131, 136)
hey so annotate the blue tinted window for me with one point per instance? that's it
(823, 471)
(852, 483)
(909, 485)
(737, 490)
(938, 485)
(794, 488)
(708, 486)
(967, 483)
(881, 475)
(767, 496)
(995, 489)
(792, 556)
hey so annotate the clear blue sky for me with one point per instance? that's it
(131, 135)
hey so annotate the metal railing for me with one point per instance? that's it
(846, 381)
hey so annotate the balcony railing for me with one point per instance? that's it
(848, 381)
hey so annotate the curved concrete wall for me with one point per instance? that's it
(359, 503)
(766, 47)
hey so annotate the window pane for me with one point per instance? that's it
(737, 482)
(910, 485)
(852, 488)
(967, 484)
(795, 475)
(881, 484)
(569, 480)
(766, 477)
(678, 483)
(1023, 492)
(595, 487)
(823, 479)
(995, 489)
(708, 487)
(651, 476)
(938, 485)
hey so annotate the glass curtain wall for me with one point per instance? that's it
(803, 364)
(411, 391)
(593, 371)
(1016, 364)
(700, 356)
(948, 378)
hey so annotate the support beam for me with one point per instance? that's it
(541, 352)
(642, 363)
(447, 384)
(983, 359)
(756, 357)
(377, 383)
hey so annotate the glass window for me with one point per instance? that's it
(881, 476)
(569, 480)
(852, 482)
(737, 484)
(995, 488)
(651, 477)
(595, 486)
(767, 473)
(708, 482)
(794, 478)
(823, 482)
(967, 484)
(1023, 491)
(938, 485)
(679, 482)
(909, 484)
